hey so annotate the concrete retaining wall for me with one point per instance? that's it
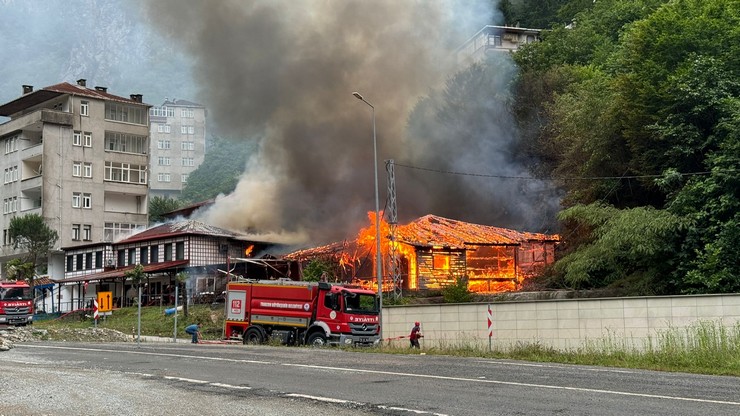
(561, 324)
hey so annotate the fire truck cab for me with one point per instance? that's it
(16, 303)
(301, 313)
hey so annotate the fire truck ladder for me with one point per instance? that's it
(393, 223)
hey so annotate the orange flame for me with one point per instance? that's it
(248, 250)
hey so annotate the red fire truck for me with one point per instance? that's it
(16, 303)
(301, 313)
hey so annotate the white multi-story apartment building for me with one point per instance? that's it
(494, 39)
(77, 156)
(178, 146)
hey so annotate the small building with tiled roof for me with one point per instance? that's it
(202, 251)
(434, 251)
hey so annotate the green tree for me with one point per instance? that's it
(318, 269)
(632, 248)
(220, 171)
(158, 206)
(457, 292)
(31, 234)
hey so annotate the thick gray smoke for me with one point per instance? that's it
(282, 72)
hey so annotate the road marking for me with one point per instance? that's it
(231, 386)
(189, 380)
(428, 376)
(403, 409)
(322, 399)
(605, 370)
(518, 384)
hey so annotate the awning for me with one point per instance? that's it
(121, 272)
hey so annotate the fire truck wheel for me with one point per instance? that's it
(254, 336)
(317, 339)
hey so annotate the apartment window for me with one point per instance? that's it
(124, 172)
(131, 256)
(163, 177)
(162, 112)
(163, 144)
(76, 199)
(124, 142)
(98, 259)
(75, 232)
(121, 258)
(87, 201)
(11, 144)
(114, 230)
(78, 262)
(154, 254)
(84, 108)
(87, 170)
(76, 169)
(163, 161)
(187, 113)
(184, 178)
(168, 252)
(87, 139)
(10, 205)
(77, 138)
(187, 145)
(70, 263)
(188, 161)
(126, 113)
(11, 174)
(163, 128)
(191, 130)
(88, 261)
(87, 232)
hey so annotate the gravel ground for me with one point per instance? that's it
(32, 387)
(11, 335)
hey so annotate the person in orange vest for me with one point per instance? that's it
(415, 335)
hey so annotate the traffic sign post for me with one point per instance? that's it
(490, 327)
(96, 314)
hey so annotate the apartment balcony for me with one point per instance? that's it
(36, 119)
(32, 184)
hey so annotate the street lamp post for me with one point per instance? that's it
(378, 259)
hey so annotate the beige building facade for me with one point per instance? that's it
(178, 145)
(77, 156)
(494, 39)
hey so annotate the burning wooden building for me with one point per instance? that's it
(432, 252)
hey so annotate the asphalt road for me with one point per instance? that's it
(330, 381)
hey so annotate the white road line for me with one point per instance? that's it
(514, 383)
(230, 386)
(161, 354)
(605, 370)
(189, 380)
(403, 409)
(321, 398)
(428, 376)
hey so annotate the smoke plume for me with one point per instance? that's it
(282, 73)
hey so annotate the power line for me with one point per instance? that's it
(530, 178)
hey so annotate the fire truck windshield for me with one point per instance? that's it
(15, 293)
(360, 304)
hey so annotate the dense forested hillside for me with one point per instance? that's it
(635, 111)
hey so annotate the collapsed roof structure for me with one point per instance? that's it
(434, 252)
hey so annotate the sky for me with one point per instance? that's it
(280, 75)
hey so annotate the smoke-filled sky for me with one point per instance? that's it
(280, 74)
(283, 73)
